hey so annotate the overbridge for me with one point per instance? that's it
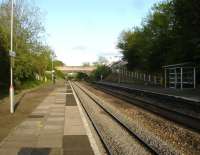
(76, 69)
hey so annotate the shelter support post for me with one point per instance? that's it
(194, 77)
(181, 78)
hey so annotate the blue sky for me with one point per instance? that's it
(82, 30)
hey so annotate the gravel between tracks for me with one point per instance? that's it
(164, 136)
(116, 138)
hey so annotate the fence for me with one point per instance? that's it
(137, 76)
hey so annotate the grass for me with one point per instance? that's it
(4, 91)
(31, 84)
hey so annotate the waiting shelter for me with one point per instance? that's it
(179, 76)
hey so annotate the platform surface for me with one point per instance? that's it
(55, 127)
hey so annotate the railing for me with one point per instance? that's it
(123, 75)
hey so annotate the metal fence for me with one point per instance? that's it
(123, 75)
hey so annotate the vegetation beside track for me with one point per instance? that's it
(33, 56)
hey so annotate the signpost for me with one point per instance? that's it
(12, 55)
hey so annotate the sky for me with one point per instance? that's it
(82, 30)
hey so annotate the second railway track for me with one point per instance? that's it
(120, 141)
(181, 111)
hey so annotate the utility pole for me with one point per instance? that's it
(12, 55)
(52, 70)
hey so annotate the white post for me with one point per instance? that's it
(122, 73)
(181, 78)
(119, 75)
(125, 74)
(11, 63)
(175, 80)
(52, 68)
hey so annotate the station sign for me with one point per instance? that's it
(12, 53)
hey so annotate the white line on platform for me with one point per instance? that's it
(86, 125)
(64, 93)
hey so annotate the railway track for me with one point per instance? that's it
(118, 145)
(120, 135)
(182, 111)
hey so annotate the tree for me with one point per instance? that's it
(4, 48)
(187, 30)
(81, 76)
(150, 46)
(58, 63)
(101, 71)
(86, 64)
(169, 34)
(101, 61)
(33, 56)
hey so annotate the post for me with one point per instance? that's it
(101, 77)
(181, 78)
(165, 78)
(119, 74)
(122, 77)
(11, 63)
(52, 73)
(175, 79)
(194, 77)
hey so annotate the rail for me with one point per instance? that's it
(180, 110)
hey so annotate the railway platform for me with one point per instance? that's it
(55, 127)
(188, 94)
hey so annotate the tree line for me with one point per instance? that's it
(33, 55)
(169, 34)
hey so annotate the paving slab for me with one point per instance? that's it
(73, 122)
(51, 129)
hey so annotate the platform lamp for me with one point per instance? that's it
(12, 55)
(52, 67)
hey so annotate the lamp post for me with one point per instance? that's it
(52, 70)
(12, 54)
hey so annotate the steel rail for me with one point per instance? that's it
(155, 107)
(152, 150)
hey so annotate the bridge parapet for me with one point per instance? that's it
(76, 69)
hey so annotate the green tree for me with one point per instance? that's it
(86, 64)
(101, 70)
(187, 30)
(33, 56)
(81, 76)
(101, 61)
(150, 46)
